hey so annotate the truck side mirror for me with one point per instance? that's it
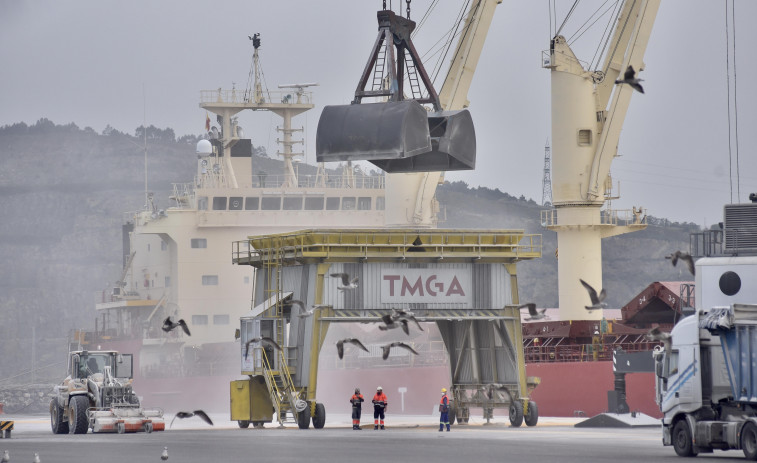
(658, 369)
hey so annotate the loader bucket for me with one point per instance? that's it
(372, 131)
(453, 143)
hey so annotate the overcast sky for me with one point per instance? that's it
(87, 62)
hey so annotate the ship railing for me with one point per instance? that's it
(614, 217)
(242, 97)
(586, 352)
(260, 180)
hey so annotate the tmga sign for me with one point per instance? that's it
(417, 285)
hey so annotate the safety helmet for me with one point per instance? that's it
(379, 388)
(444, 389)
(357, 390)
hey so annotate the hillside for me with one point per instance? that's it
(65, 191)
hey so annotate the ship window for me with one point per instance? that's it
(332, 204)
(202, 203)
(380, 203)
(584, 137)
(235, 203)
(247, 280)
(210, 280)
(314, 204)
(348, 204)
(221, 319)
(148, 247)
(270, 204)
(199, 243)
(251, 203)
(292, 204)
(219, 203)
(163, 246)
(199, 319)
(167, 282)
(364, 204)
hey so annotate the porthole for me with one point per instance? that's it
(730, 283)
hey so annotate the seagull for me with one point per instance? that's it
(303, 312)
(388, 347)
(168, 325)
(656, 334)
(491, 387)
(164, 455)
(264, 339)
(6, 457)
(684, 256)
(402, 314)
(346, 282)
(36, 458)
(355, 341)
(390, 323)
(535, 314)
(596, 301)
(630, 78)
(204, 416)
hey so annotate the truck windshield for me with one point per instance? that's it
(90, 364)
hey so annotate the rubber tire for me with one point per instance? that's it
(147, 427)
(749, 441)
(452, 415)
(120, 428)
(532, 416)
(682, 443)
(319, 419)
(78, 423)
(303, 418)
(516, 413)
(56, 418)
(244, 424)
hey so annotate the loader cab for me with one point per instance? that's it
(85, 364)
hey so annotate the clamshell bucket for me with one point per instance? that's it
(453, 146)
(372, 131)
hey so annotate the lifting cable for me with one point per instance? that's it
(728, 33)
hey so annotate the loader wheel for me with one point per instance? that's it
(532, 415)
(749, 441)
(77, 414)
(56, 418)
(452, 415)
(244, 424)
(303, 418)
(516, 413)
(319, 420)
(147, 427)
(682, 443)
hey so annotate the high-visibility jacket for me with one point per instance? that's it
(357, 400)
(380, 400)
(444, 404)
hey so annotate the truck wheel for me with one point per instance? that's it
(319, 420)
(77, 414)
(516, 413)
(452, 415)
(532, 415)
(749, 441)
(303, 418)
(56, 418)
(243, 424)
(682, 439)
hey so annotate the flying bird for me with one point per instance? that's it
(390, 324)
(169, 325)
(303, 312)
(596, 301)
(164, 455)
(630, 78)
(264, 339)
(355, 341)
(401, 314)
(388, 348)
(656, 334)
(536, 314)
(684, 256)
(36, 458)
(346, 282)
(199, 413)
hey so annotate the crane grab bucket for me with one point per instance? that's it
(399, 134)
(372, 131)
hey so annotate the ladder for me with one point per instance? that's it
(378, 70)
(284, 395)
(412, 78)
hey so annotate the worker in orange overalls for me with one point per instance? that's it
(444, 410)
(380, 403)
(357, 405)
